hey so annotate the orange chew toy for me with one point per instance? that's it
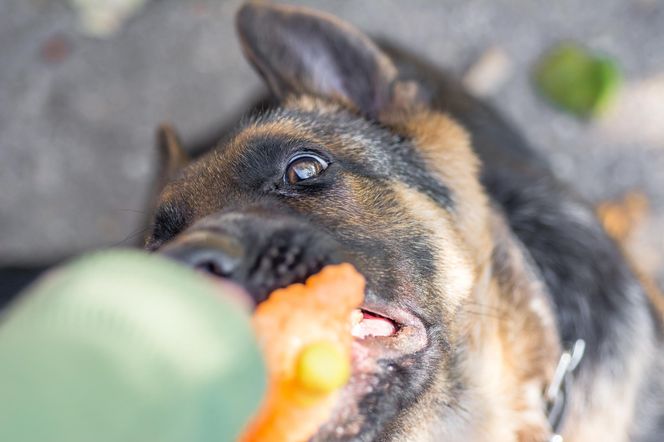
(304, 332)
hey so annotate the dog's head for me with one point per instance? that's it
(354, 166)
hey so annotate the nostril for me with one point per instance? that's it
(209, 252)
(214, 262)
(213, 268)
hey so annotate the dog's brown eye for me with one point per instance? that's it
(304, 168)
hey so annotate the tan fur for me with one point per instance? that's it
(285, 127)
(512, 346)
(655, 295)
(310, 103)
(514, 326)
(446, 148)
(505, 326)
(512, 349)
(457, 271)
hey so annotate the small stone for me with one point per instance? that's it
(489, 73)
(55, 49)
(103, 18)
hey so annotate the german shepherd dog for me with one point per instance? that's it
(485, 274)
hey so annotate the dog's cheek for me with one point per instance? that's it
(454, 274)
(449, 155)
(448, 287)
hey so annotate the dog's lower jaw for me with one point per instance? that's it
(379, 352)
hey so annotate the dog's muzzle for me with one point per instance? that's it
(257, 253)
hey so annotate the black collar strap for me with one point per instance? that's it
(556, 395)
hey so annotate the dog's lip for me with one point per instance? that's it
(409, 337)
(374, 359)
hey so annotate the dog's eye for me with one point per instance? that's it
(305, 167)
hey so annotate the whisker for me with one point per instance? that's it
(481, 306)
(498, 316)
(132, 211)
(131, 236)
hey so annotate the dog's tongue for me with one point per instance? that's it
(366, 324)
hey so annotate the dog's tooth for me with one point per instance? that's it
(356, 317)
(356, 331)
(373, 326)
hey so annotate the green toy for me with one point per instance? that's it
(126, 346)
(577, 81)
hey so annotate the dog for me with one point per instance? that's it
(503, 310)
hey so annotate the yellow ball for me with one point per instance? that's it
(322, 367)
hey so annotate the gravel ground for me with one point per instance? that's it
(77, 113)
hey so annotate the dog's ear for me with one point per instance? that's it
(171, 156)
(299, 51)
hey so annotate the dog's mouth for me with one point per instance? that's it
(384, 335)
(381, 331)
(384, 338)
(367, 324)
(386, 332)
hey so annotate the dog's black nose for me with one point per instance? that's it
(217, 254)
(260, 259)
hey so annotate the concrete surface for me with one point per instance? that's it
(77, 114)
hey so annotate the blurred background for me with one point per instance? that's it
(84, 83)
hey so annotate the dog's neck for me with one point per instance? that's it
(514, 346)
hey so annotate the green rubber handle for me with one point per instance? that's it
(127, 346)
